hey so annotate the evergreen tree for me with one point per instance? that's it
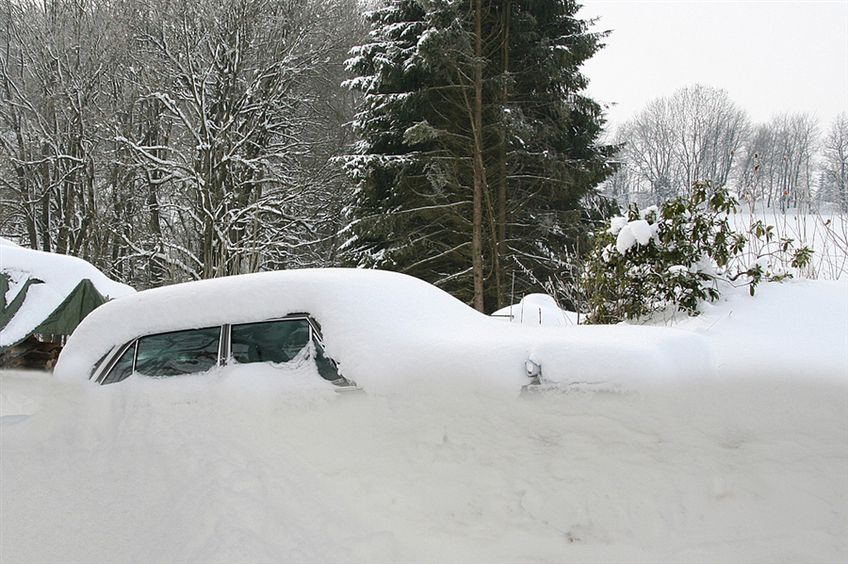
(476, 145)
(412, 210)
(553, 159)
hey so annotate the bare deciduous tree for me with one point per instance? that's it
(778, 166)
(695, 134)
(170, 140)
(835, 163)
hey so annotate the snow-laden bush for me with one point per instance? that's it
(676, 256)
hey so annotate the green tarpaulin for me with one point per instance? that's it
(4, 287)
(82, 300)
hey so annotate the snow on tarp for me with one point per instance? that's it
(59, 276)
(387, 329)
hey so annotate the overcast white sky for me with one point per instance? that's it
(770, 56)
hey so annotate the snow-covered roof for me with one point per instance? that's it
(385, 327)
(60, 274)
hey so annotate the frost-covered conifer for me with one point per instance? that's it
(471, 138)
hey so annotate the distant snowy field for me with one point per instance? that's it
(749, 464)
(825, 233)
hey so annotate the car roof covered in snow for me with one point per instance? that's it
(347, 302)
(384, 327)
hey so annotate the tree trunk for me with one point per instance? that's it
(500, 242)
(478, 166)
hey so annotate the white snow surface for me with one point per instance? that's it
(60, 274)
(641, 230)
(788, 329)
(625, 239)
(390, 331)
(746, 462)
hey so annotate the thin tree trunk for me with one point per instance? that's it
(478, 167)
(45, 199)
(500, 243)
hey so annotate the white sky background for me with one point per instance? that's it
(771, 56)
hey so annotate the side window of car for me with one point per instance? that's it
(269, 341)
(179, 352)
(122, 368)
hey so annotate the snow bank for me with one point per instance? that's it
(729, 442)
(60, 274)
(386, 331)
(736, 470)
(794, 328)
(786, 329)
(623, 357)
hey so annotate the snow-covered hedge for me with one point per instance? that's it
(677, 256)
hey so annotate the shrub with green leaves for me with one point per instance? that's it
(676, 256)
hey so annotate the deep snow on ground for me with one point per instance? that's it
(752, 470)
(742, 461)
(797, 328)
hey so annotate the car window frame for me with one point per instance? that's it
(217, 363)
(105, 368)
(100, 373)
(313, 335)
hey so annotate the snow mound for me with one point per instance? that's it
(630, 233)
(537, 309)
(792, 328)
(60, 274)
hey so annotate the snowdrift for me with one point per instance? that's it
(744, 461)
(188, 470)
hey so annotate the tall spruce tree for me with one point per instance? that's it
(553, 157)
(476, 144)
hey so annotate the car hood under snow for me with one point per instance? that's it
(387, 329)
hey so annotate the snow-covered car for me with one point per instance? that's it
(378, 329)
